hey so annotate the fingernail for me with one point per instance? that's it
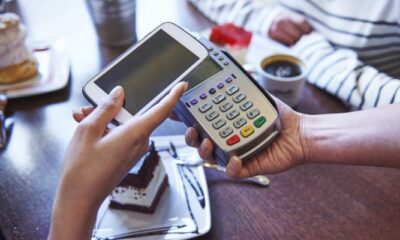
(116, 92)
(186, 85)
(77, 111)
(203, 148)
(189, 137)
(234, 166)
(85, 109)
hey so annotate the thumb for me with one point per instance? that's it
(105, 111)
(235, 168)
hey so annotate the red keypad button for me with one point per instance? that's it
(233, 140)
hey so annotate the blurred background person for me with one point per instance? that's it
(353, 50)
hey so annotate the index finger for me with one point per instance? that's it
(157, 114)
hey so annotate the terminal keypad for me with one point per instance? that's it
(230, 111)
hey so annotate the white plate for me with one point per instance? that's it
(179, 214)
(53, 73)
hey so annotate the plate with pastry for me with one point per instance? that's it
(159, 198)
(25, 72)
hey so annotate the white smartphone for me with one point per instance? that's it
(148, 70)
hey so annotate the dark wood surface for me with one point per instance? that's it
(306, 202)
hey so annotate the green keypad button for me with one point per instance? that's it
(259, 121)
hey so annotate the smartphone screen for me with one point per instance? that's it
(148, 70)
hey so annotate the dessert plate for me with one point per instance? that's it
(53, 73)
(182, 213)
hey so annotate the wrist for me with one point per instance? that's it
(305, 136)
(71, 205)
(322, 135)
(74, 212)
(75, 188)
(72, 218)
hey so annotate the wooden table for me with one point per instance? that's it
(307, 202)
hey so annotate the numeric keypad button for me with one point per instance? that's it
(232, 114)
(226, 132)
(246, 105)
(212, 115)
(205, 107)
(219, 123)
(219, 98)
(239, 122)
(232, 90)
(225, 106)
(239, 97)
(253, 113)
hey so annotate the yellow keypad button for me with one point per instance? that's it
(247, 131)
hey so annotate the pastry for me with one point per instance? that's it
(16, 61)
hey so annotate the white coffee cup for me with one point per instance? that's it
(287, 89)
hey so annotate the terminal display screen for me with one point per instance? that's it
(204, 71)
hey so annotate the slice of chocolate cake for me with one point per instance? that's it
(142, 188)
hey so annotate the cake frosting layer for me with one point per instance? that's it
(140, 196)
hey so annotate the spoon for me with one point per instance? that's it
(258, 179)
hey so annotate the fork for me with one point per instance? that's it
(258, 179)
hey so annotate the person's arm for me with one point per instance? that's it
(280, 25)
(98, 158)
(244, 13)
(342, 74)
(368, 137)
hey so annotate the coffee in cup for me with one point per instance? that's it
(283, 76)
(282, 69)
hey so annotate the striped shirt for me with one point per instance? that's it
(354, 54)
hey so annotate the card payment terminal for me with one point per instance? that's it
(228, 106)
